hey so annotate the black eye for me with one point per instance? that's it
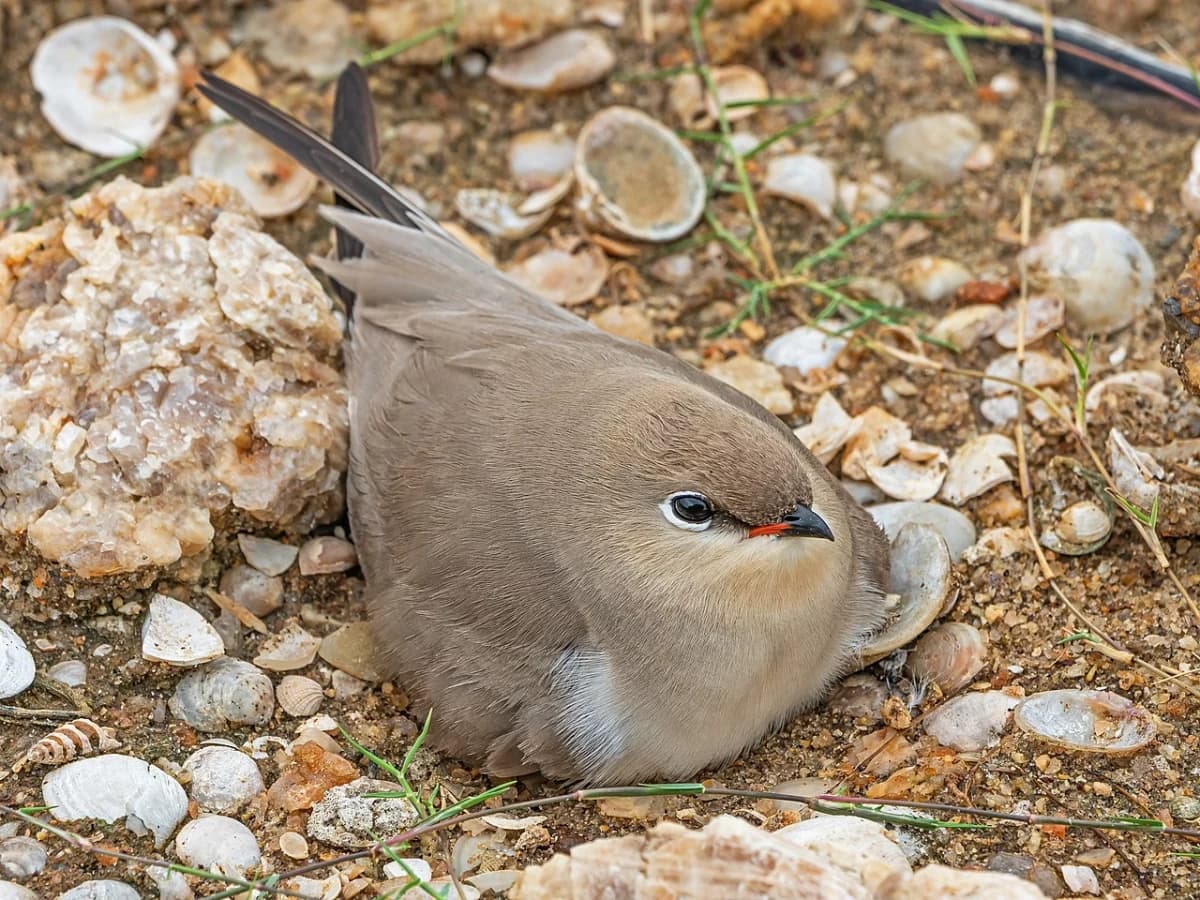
(692, 508)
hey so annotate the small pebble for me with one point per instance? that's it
(326, 555)
(268, 556)
(1081, 879)
(260, 593)
(935, 146)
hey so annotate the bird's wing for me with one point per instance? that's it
(353, 133)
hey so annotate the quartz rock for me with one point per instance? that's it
(164, 364)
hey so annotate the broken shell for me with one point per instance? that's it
(224, 780)
(293, 845)
(933, 278)
(113, 787)
(539, 159)
(16, 663)
(949, 656)
(292, 648)
(860, 848)
(219, 844)
(78, 738)
(1137, 474)
(259, 593)
(21, 857)
(968, 325)
(315, 37)
(804, 349)
(637, 177)
(224, 692)
(758, 380)
(1043, 315)
(71, 672)
(569, 60)
(737, 85)
(971, 722)
(175, 634)
(876, 441)
(689, 102)
(828, 431)
(934, 146)
(1145, 382)
(498, 213)
(326, 555)
(101, 889)
(1100, 270)
(915, 474)
(299, 696)
(269, 180)
(106, 85)
(921, 576)
(1094, 721)
(955, 528)
(268, 556)
(1039, 370)
(805, 179)
(567, 279)
(977, 467)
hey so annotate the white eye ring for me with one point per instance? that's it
(667, 507)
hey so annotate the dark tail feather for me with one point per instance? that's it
(355, 135)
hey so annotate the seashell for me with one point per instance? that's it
(758, 380)
(872, 196)
(345, 818)
(971, 722)
(935, 146)
(1039, 370)
(71, 672)
(260, 594)
(326, 555)
(949, 656)
(293, 845)
(720, 860)
(292, 648)
(997, 543)
(1137, 474)
(1100, 270)
(269, 180)
(627, 322)
(968, 325)
(737, 85)
(977, 467)
(964, 884)
(471, 850)
(267, 556)
(237, 70)
(876, 441)
(637, 177)
(567, 279)
(829, 430)
(223, 693)
(915, 474)
(567, 61)
(921, 576)
(113, 787)
(1145, 382)
(497, 213)
(1080, 879)
(859, 696)
(21, 857)
(540, 159)
(498, 881)
(322, 888)
(689, 102)
(1186, 808)
(955, 528)
(11, 891)
(171, 885)
(805, 179)
(224, 779)
(1043, 315)
(16, 663)
(106, 85)
(314, 37)
(351, 648)
(860, 848)
(1092, 721)
(175, 634)
(1084, 522)
(81, 737)
(101, 889)
(299, 696)
(219, 844)
(415, 867)
(933, 278)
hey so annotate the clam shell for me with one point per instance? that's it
(859, 696)
(1145, 382)
(1043, 315)
(21, 857)
(567, 61)
(16, 663)
(224, 780)
(272, 183)
(921, 576)
(292, 648)
(977, 467)
(175, 634)
(955, 528)
(115, 786)
(219, 844)
(805, 179)
(225, 692)
(933, 278)
(101, 889)
(737, 84)
(1085, 522)
(637, 177)
(299, 696)
(829, 430)
(949, 656)
(106, 85)
(1092, 721)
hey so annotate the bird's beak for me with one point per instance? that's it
(800, 522)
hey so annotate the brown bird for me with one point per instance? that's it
(584, 555)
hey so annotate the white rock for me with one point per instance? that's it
(101, 889)
(934, 146)
(219, 844)
(804, 349)
(972, 721)
(1081, 879)
(266, 555)
(175, 634)
(344, 818)
(224, 780)
(805, 179)
(11, 891)
(17, 668)
(259, 593)
(113, 787)
(934, 278)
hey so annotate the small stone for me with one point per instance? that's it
(1081, 879)
(632, 807)
(351, 649)
(627, 322)
(326, 555)
(934, 279)
(267, 556)
(344, 818)
(758, 380)
(71, 672)
(21, 858)
(260, 593)
(934, 146)
(1030, 869)
(1101, 857)
(293, 845)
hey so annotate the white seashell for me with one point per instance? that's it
(496, 212)
(292, 648)
(945, 883)
(270, 181)
(539, 159)
(322, 888)
(175, 634)
(968, 325)
(1083, 527)
(567, 279)
(1189, 193)
(805, 179)
(78, 738)
(1005, 85)
(10, 891)
(1100, 270)
(955, 528)
(293, 845)
(877, 440)
(1094, 721)
(737, 84)
(915, 474)
(101, 889)
(1043, 315)
(977, 467)
(1146, 382)
(21, 857)
(637, 177)
(1136, 473)
(219, 844)
(934, 146)
(689, 102)
(17, 668)
(921, 576)
(415, 866)
(997, 543)
(1039, 370)
(310, 36)
(567, 61)
(224, 780)
(933, 278)
(498, 881)
(949, 656)
(860, 848)
(327, 554)
(267, 556)
(106, 85)
(113, 787)
(71, 672)
(1081, 879)
(872, 196)
(971, 722)
(223, 693)
(829, 430)
(299, 696)
(804, 349)
(171, 885)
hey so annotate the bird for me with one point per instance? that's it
(582, 556)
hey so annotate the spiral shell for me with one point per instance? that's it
(81, 737)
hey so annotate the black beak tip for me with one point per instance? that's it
(803, 522)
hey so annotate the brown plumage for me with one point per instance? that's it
(555, 524)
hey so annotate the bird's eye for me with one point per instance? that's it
(688, 510)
